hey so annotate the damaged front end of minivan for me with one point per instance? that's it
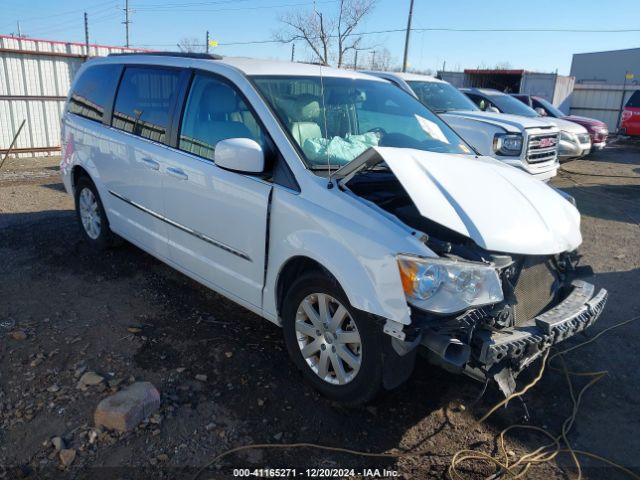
(501, 283)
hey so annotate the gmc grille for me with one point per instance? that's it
(535, 288)
(542, 147)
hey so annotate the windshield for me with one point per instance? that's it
(550, 108)
(354, 115)
(441, 97)
(507, 104)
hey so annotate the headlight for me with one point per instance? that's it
(448, 286)
(568, 137)
(507, 144)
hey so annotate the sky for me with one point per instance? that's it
(160, 25)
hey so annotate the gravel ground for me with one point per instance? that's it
(127, 317)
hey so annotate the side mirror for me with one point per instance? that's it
(240, 155)
(541, 111)
(492, 110)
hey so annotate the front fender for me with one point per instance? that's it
(365, 268)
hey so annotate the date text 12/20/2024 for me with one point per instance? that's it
(314, 472)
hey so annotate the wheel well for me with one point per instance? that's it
(77, 173)
(295, 267)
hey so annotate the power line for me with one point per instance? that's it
(98, 7)
(160, 10)
(399, 30)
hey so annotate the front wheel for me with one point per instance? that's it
(337, 347)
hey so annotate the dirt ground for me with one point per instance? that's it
(128, 317)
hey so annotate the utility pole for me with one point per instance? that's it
(406, 40)
(373, 60)
(126, 20)
(86, 33)
(355, 59)
(207, 43)
(19, 31)
(293, 52)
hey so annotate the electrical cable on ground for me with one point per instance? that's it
(515, 470)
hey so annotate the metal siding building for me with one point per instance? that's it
(601, 89)
(606, 67)
(555, 88)
(35, 76)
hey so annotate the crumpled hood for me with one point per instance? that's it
(511, 123)
(500, 207)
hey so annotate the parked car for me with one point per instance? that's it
(333, 204)
(598, 130)
(630, 123)
(574, 139)
(525, 143)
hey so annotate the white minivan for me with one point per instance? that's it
(333, 204)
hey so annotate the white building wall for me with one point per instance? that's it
(35, 76)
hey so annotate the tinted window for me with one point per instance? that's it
(215, 111)
(144, 100)
(441, 97)
(634, 100)
(551, 109)
(93, 90)
(507, 104)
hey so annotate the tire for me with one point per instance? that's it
(333, 343)
(92, 219)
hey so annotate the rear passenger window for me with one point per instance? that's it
(144, 100)
(215, 111)
(93, 90)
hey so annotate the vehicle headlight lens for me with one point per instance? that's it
(507, 143)
(448, 286)
(568, 137)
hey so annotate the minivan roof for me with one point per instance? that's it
(248, 66)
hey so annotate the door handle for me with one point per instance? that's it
(177, 173)
(149, 163)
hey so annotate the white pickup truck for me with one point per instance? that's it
(527, 143)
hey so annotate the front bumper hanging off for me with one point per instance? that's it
(505, 353)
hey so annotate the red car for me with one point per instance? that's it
(598, 131)
(630, 124)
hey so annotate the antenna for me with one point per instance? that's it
(326, 132)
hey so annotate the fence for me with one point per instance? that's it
(35, 76)
(601, 101)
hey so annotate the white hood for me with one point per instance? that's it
(511, 123)
(499, 207)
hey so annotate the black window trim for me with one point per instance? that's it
(181, 79)
(108, 104)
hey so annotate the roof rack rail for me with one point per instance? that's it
(203, 56)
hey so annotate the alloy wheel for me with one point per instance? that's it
(328, 339)
(89, 213)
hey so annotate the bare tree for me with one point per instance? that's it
(383, 60)
(328, 36)
(191, 45)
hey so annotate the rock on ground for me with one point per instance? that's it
(125, 409)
